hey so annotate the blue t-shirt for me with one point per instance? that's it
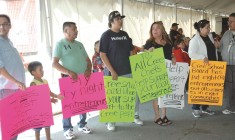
(11, 61)
(117, 47)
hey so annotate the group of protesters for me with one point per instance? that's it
(111, 56)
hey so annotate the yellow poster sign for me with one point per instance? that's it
(206, 82)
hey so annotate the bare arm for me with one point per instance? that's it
(88, 69)
(62, 69)
(217, 44)
(131, 53)
(53, 95)
(108, 65)
(5, 74)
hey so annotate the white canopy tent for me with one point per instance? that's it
(91, 17)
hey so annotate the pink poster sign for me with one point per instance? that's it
(25, 110)
(83, 95)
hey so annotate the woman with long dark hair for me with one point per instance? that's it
(202, 47)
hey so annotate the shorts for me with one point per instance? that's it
(40, 128)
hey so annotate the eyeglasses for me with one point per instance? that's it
(4, 25)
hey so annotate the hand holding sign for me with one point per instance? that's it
(25, 110)
(150, 75)
(206, 82)
(121, 97)
(83, 95)
(178, 75)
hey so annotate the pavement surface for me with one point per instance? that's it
(184, 127)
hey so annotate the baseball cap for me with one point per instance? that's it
(115, 14)
(174, 24)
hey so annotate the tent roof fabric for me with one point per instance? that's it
(221, 7)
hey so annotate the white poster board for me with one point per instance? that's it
(178, 75)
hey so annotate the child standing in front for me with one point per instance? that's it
(36, 70)
(181, 56)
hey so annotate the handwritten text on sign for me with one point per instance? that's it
(150, 75)
(206, 82)
(83, 95)
(25, 110)
(178, 75)
(121, 96)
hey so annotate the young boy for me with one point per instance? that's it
(36, 70)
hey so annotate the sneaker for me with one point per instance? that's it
(226, 112)
(139, 122)
(84, 129)
(69, 134)
(196, 113)
(111, 126)
(209, 112)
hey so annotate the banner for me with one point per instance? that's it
(178, 75)
(121, 97)
(24, 110)
(150, 75)
(206, 82)
(83, 95)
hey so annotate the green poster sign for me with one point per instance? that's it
(150, 75)
(120, 97)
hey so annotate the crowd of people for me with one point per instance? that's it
(111, 56)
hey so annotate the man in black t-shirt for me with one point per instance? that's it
(174, 34)
(115, 49)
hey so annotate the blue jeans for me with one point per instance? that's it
(68, 125)
(106, 71)
(197, 107)
(40, 128)
(67, 122)
(15, 138)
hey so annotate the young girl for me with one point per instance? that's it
(179, 53)
(159, 39)
(36, 70)
(98, 65)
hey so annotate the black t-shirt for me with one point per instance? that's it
(173, 33)
(167, 48)
(211, 53)
(117, 47)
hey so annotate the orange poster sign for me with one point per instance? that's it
(206, 82)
